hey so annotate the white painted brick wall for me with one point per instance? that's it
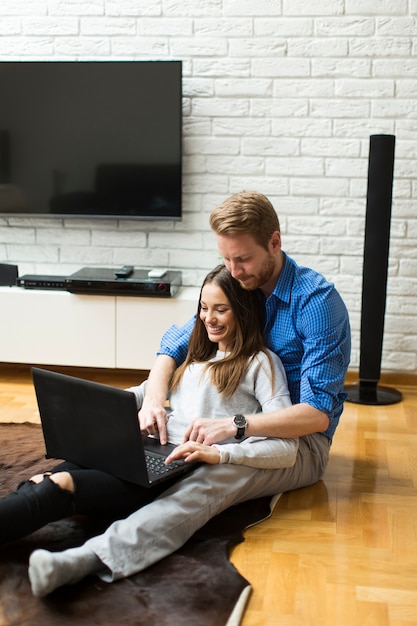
(279, 96)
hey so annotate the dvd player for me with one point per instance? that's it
(103, 281)
(42, 281)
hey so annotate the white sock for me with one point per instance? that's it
(50, 570)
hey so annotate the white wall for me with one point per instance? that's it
(280, 96)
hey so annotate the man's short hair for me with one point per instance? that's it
(246, 212)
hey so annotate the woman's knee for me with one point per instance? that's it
(62, 479)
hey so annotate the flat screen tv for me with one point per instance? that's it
(91, 139)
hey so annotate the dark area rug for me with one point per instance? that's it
(196, 586)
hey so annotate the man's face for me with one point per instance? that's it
(250, 263)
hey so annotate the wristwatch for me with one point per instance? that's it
(241, 423)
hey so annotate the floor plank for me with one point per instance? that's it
(344, 551)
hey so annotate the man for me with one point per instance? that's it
(306, 324)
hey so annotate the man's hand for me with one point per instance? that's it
(153, 421)
(192, 451)
(152, 415)
(209, 431)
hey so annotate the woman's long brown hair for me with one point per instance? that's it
(227, 373)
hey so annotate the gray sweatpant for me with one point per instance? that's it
(161, 527)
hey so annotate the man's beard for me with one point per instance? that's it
(254, 282)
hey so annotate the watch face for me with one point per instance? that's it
(239, 421)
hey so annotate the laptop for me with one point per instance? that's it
(96, 426)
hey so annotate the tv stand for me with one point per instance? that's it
(60, 328)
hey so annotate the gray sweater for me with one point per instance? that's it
(197, 397)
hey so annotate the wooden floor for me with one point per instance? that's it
(342, 552)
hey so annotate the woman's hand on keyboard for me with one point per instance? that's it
(193, 451)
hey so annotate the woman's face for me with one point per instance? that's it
(218, 317)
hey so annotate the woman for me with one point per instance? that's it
(227, 370)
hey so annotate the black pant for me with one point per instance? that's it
(96, 493)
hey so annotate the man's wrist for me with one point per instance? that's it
(240, 423)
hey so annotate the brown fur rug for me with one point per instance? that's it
(196, 586)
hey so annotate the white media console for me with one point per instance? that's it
(60, 328)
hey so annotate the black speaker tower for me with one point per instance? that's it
(375, 271)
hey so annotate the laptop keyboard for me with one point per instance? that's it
(156, 464)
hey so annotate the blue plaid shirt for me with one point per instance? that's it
(307, 326)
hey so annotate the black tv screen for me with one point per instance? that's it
(91, 139)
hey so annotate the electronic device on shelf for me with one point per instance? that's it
(42, 281)
(9, 275)
(91, 139)
(125, 271)
(103, 281)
